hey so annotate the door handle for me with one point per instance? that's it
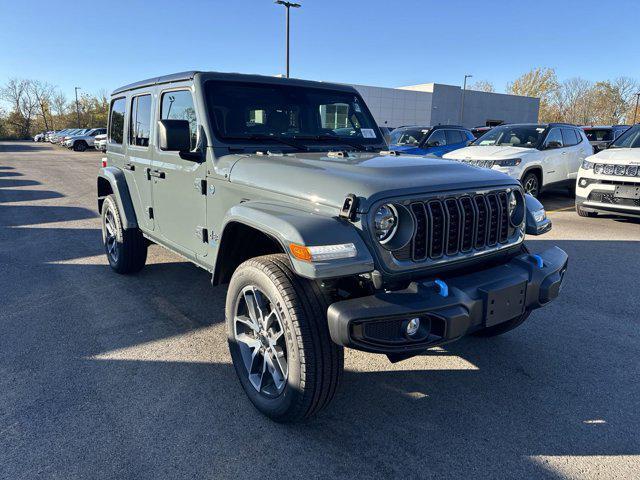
(156, 173)
(129, 166)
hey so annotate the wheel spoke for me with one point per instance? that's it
(248, 340)
(275, 370)
(252, 308)
(249, 322)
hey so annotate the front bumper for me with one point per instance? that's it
(485, 298)
(599, 193)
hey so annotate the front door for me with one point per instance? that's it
(179, 192)
(554, 157)
(138, 160)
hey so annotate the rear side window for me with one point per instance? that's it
(439, 137)
(116, 121)
(569, 137)
(454, 136)
(178, 105)
(599, 134)
(140, 121)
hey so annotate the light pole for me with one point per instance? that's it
(288, 5)
(635, 112)
(464, 89)
(77, 106)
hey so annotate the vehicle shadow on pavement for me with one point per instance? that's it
(22, 215)
(4, 183)
(4, 174)
(23, 147)
(7, 196)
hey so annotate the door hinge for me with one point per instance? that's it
(150, 212)
(202, 233)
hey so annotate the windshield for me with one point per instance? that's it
(599, 134)
(526, 136)
(408, 136)
(629, 139)
(289, 114)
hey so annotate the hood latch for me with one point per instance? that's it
(349, 207)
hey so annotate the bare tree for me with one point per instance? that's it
(573, 101)
(43, 93)
(483, 86)
(24, 106)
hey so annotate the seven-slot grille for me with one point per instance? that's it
(449, 226)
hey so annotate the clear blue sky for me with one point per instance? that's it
(106, 44)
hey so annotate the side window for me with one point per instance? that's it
(116, 121)
(554, 139)
(178, 105)
(569, 137)
(140, 121)
(454, 136)
(437, 139)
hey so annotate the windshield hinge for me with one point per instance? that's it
(349, 207)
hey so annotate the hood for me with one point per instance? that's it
(318, 178)
(489, 152)
(617, 155)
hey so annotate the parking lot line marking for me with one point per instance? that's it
(565, 209)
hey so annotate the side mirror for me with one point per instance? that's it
(537, 222)
(174, 135)
(553, 144)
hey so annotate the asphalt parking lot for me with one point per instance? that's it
(107, 376)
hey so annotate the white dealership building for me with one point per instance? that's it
(438, 104)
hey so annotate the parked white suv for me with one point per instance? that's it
(100, 142)
(610, 180)
(539, 155)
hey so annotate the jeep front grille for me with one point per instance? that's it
(457, 225)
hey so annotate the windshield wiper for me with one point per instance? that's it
(331, 138)
(291, 143)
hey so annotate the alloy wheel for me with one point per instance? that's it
(110, 235)
(259, 333)
(531, 185)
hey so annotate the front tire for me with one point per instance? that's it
(279, 340)
(126, 249)
(79, 146)
(531, 184)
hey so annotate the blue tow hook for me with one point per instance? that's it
(538, 260)
(442, 288)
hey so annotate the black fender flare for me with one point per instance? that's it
(120, 190)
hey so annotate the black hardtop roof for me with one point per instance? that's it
(241, 77)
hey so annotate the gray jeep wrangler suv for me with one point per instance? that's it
(283, 190)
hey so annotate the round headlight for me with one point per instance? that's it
(516, 208)
(385, 223)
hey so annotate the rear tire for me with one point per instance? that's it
(314, 364)
(584, 213)
(126, 249)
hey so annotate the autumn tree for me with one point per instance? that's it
(540, 83)
(483, 86)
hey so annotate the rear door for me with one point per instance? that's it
(139, 157)
(179, 191)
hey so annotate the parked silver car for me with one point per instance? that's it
(86, 139)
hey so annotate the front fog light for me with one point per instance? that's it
(413, 326)
(583, 182)
(321, 253)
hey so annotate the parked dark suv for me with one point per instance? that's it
(600, 137)
(323, 240)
